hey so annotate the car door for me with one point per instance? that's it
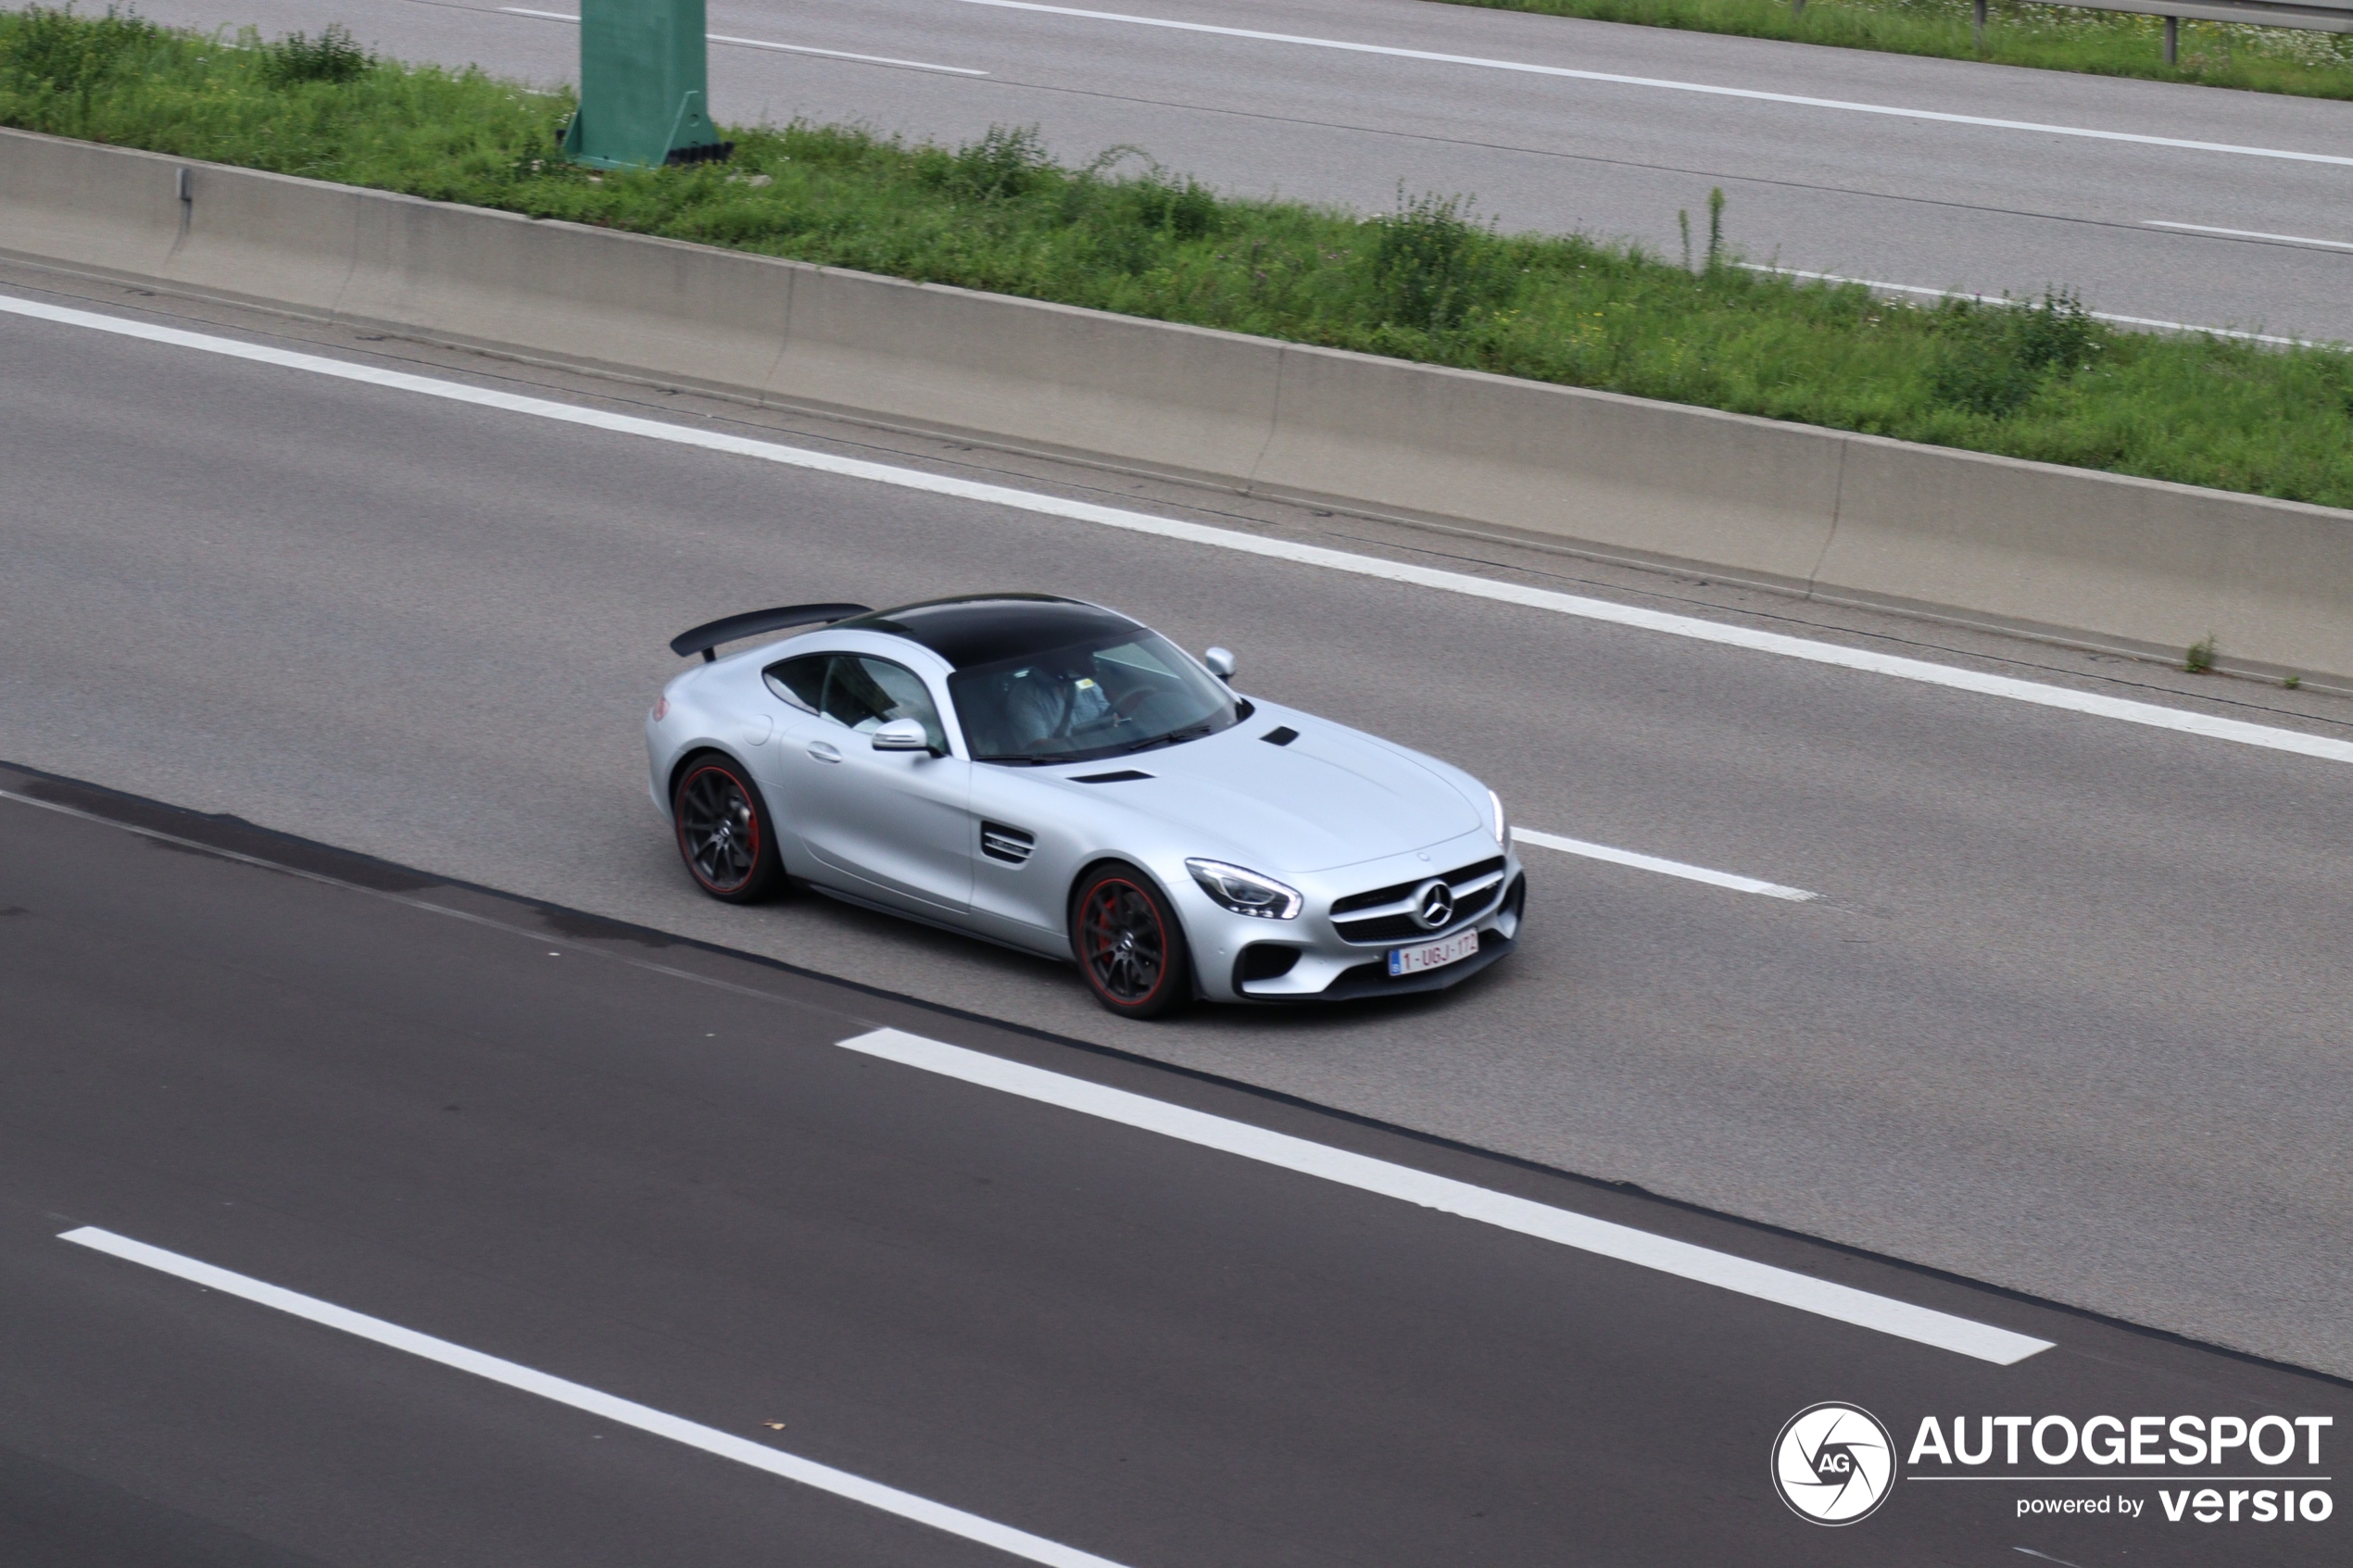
(892, 826)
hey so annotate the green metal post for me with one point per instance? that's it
(645, 89)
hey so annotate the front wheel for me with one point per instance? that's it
(724, 832)
(1128, 943)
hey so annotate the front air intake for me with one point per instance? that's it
(1264, 961)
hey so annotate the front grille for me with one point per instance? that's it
(1390, 895)
(1008, 844)
(1383, 928)
(1377, 897)
(1402, 928)
(1398, 925)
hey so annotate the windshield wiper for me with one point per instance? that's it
(1190, 731)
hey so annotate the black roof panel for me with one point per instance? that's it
(985, 628)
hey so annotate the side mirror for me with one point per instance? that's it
(1220, 663)
(900, 734)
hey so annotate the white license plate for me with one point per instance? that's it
(1434, 955)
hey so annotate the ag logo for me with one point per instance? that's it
(1834, 1463)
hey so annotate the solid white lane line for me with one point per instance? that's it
(607, 1407)
(1665, 868)
(2247, 233)
(1669, 85)
(2237, 731)
(1822, 1297)
(764, 43)
(2004, 299)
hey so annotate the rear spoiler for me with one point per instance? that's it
(752, 622)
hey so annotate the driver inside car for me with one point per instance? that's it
(1041, 705)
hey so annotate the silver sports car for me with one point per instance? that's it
(1054, 776)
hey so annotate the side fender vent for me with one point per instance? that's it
(1008, 844)
(1124, 775)
(1283, 735)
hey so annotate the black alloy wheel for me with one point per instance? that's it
(1128, 943)
(723, 833)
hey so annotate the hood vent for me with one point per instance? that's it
(1008, 844)
(1282, 736)
(1122, 776)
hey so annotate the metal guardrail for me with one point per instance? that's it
(2312, 16)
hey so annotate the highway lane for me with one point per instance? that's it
(650, 1169)
(1981, 208)
(2070, 1017)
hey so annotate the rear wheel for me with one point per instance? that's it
(1128, 943)
(724, 832)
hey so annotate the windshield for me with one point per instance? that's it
(1129, 691)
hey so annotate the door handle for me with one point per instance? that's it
(824, 752)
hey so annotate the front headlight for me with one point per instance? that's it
(1502, 828)
(1245, 893)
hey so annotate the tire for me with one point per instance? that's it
(1128, 943)
(723, 831)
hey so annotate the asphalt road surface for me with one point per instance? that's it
(2070, 1016)
(651, 1170)
(1925, 203)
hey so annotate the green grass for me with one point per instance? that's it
(1425, 282)
(2263, 59)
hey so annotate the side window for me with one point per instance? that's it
(801, 681)
(866, 693)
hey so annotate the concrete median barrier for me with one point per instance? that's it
(230, 232)
(2135, 562)
(1137, 393)
(1652, 480)
(2125, 563)
(676, 313)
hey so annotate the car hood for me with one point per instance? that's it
(1334, 796)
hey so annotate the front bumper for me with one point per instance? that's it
(1230, 951)
(1373, 979)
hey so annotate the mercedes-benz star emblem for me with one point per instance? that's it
(1433, 905)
